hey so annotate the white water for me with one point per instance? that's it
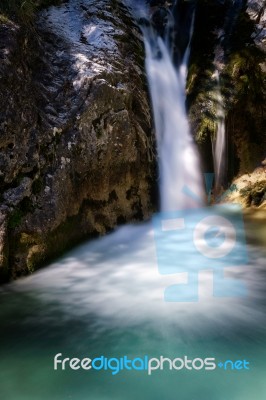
(118, 278)
(179, 167)
(219, 144)
(178, 160)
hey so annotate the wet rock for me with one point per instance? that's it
(13, 197)
(257, 12)
(159, 20)
(229, 37)
(75, 130)
(3, 244)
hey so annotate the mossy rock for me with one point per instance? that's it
(254, 194)
(242, 84)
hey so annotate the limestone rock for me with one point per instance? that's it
(76, 143)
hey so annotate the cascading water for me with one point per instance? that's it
(178, 159)
(219, 143)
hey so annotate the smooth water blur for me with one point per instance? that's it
(178, 157)
(219, 147)
(107, 298)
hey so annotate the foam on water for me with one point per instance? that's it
(117, 278)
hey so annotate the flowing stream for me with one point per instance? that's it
(107, 297)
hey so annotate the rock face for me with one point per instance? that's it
(76, 144)
(256, 9)
(229, 37)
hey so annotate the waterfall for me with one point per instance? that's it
(219, 143)
(103, 302)
(178, 159)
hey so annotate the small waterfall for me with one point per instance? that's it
(219, 143)
(178, 158)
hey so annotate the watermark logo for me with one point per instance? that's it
(209, 238)
(145, 363)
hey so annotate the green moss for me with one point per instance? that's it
(254, 194)
(3, 19)
(242, 83)
(244, 87)
(35, 258)
(207, 127)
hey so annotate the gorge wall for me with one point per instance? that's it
(76, 142)
(230, 36)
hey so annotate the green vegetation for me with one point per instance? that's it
(242, 83)
(3, 18)
(255, 194)
(244, 88)
(202, 85)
